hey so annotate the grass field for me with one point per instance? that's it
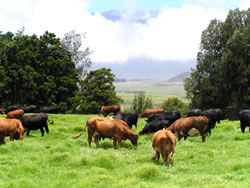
(57, 160)
(159, 91)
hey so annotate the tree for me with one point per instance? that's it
(36, 71)
(141, 102)
(96, 90)
(174, 103)
(72, 42)
(221, 77)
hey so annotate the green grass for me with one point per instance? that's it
(57, 160)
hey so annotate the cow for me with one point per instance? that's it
(106, 110)
(47, 109)
(11, 108)
(2, 112)
(164, 143)
(194, 112)
(159, 121)
(16, 114)
(35, 122)
(219, 114)
(12, 128)
(185, 127)
(113, 128)
(244, 120)
(131, 117)
(212, 117)
(147, 112)
(29, 109)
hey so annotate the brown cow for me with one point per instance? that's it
(16, 114)
(188, 125)
(164, 143)
(1, 111)
(147, 112)
(106, 110)
(12, 128)
(113, 128)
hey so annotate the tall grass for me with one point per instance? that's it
(57, 160)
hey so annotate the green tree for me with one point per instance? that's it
(141, 102)
(96, 90)
(36, 70)
(174, 103)
(221, 77)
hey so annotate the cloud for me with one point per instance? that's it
(174, 34)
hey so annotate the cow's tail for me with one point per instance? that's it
(77, 136)
(171, 137)
(50, 121)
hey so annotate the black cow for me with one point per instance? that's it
(35, 122)
(28, 109)
(159, 121)
(244, 120)
(130, 117)
(11, 108)
(194, 112)
(48, 109)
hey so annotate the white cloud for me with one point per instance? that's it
(173, 35)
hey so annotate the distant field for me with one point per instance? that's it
(57, 161)
(157, 90)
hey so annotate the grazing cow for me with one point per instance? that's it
(147, 112)
(48, 109)
(219, 114)
(1, 111)
(212, 117)
(16, 114)
(159, 121)
(112, 128)
(185, 127)
(164, 143)
(194, 112)
(35, 122)
(131, 117)
(12, 128)
(244, 120)
(29, 109)
(11, 108)
(106, 110)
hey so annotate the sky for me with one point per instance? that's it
(171, 35)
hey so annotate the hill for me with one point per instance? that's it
(180, 77)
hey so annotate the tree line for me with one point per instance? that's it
(46, 70)
(222, 74)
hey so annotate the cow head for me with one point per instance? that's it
(134, 139)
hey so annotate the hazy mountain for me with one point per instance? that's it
(146, 69)
(180, 77)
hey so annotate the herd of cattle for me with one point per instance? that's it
(166, 126)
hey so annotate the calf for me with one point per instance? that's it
(35, 122)
(185, 126)
(244, 120)
(12, 128)
(16, 114)
(114, 128)
(164, 143)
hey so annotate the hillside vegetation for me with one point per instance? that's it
(57, 160)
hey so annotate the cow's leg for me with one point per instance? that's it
(157, 156)
(97, 141)
(46, 128)
(12, 136)
(2, 141)
(179, 136)
(28, 132)
(170, 159)
(114, 143)
(120, 142)
(42, 131)
(164, 156)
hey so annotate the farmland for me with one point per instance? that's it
(57, 160)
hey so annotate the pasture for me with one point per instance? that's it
(159, 91)
(57, 160)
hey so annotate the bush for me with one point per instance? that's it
(141, 102)
(174, 103)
